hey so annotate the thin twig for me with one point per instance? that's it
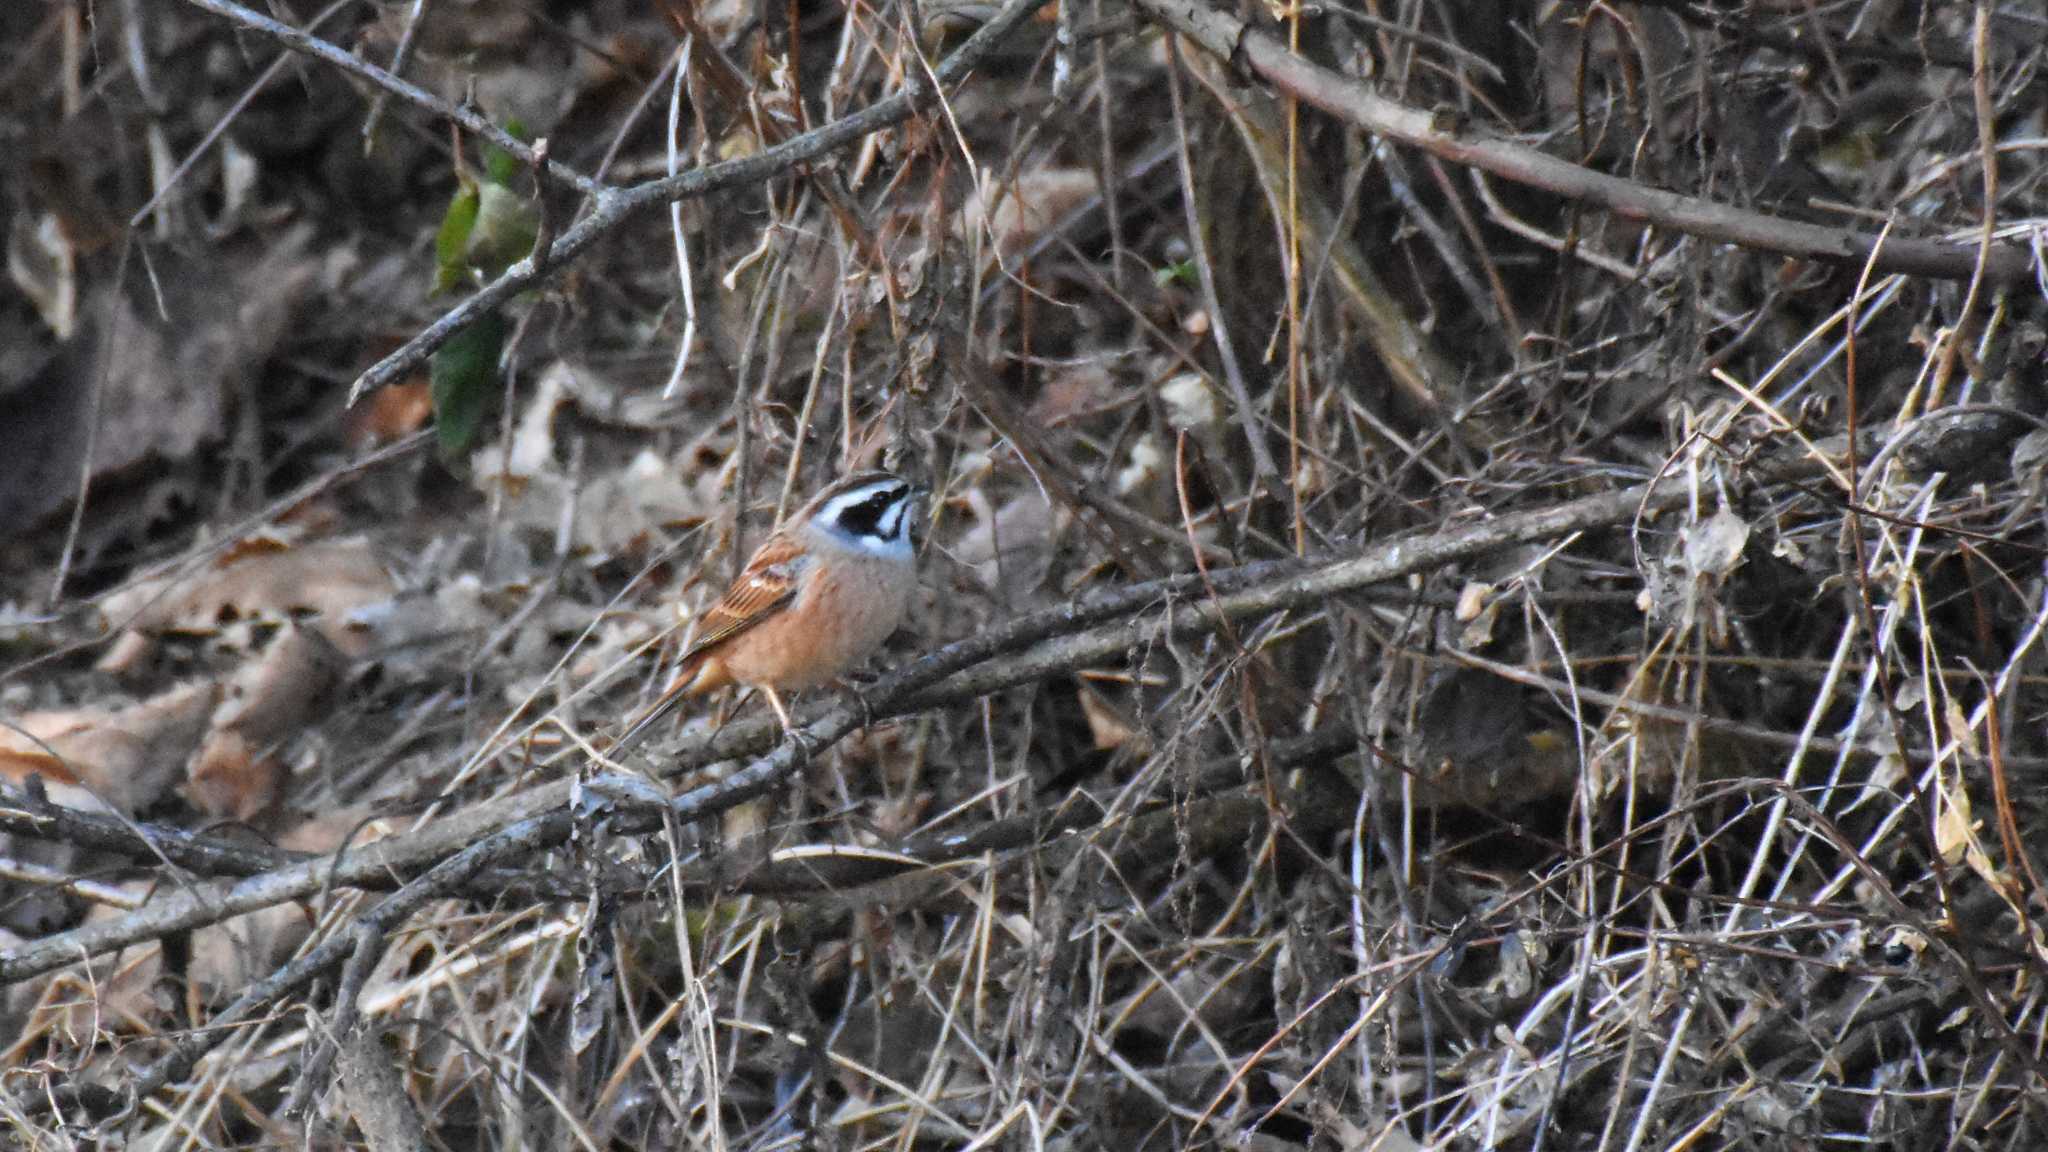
(613, 207)
(518, 839)
(470, 119)
(1035, 646)
(1232, 39)
(1205, 274)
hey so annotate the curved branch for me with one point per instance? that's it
(470, 119)
(614, 207)
(1027, 649)
(1238, 42)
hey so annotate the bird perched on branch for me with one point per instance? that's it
(816, 599)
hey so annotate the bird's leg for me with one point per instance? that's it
(789, 728)
(781, 713)
(852, 687)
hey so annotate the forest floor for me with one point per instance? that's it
(1482, 584)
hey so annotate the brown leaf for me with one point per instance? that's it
(390, 413)
(270, 698)
(1034, 202)
(331, 830)
(1073, 391)
(326, 579)
(229, 956)
(238, 773)
(125, 757)
(233, 778)
(1106, 725)
(69, 1009)
(155, 390)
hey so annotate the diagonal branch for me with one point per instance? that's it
(614, 207)
(1027, 649)
(470, 119)
(459, 849)
(1241, 44)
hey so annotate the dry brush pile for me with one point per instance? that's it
(1483, 585)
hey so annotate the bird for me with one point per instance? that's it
(815, 600)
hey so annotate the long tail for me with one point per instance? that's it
(696, 676)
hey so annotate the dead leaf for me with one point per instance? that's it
(1106, 725)
(1478, 610)
(269, 699)
(390, 413)
(43, 265)
(1028, 206)
(239, 174)
(600, 398)
(237, 773)
(532, 450)
(125, 654)
(1071, 391)
(623, 510)
(235, 953)
(1713, 547)
(1010, 552)
(326, 580)
(1959, 728)
(1954, 830)
(1911, 693)
(894, 819)
(73, 1010)
(158, 390)
(125, 758)
(233, 778)
(1190, 403)
(1146, 468)
(1681, 591)
(615, 512)
(1472, 599)
(328, 831)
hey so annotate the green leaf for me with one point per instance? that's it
(486, 229)
(502, 167)
(1179, 273)
(465, 379)
(451, 243)
(506, 224)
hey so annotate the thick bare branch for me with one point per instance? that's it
(1028, 649)
(1234, 40)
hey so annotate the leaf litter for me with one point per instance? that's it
(1716, 820)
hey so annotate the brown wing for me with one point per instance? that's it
(768, 583)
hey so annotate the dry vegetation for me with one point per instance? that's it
(1484, 585)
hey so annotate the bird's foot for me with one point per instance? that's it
(853, 688)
